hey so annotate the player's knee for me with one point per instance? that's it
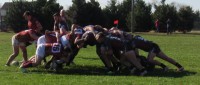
(24, 51)
(15, 54)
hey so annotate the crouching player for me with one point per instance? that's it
(154, 50)
(56, 49)
(19, 41)
(110, 43)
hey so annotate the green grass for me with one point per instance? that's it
(89, 69)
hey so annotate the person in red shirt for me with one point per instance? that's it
(157, 25)
(33, 23)
(19, 40)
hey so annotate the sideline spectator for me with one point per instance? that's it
(157, 25)
(169, 28)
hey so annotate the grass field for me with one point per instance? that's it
(89, 69)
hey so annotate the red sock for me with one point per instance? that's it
(27, 64)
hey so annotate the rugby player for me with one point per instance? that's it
(19, 41)
(56, 49)
(111, 43)
(154, 50)
(60, 26)
(77, 34)
(33, 23)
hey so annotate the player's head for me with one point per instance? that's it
(27, 15)
(56, 17)
(62, 12)
(98, 27)
(100, 37)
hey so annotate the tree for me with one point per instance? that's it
(164, 12)
(41, 9)
(111, 13)
(83, 13)
(197, 19)
(14, 17)
(197, 16)
(46, 12)
(186, 18)
(124, 10)
(142, 16)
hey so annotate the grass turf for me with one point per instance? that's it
(88, 70)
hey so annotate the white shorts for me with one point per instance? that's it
(15, 42)
(65, 41)
(40, 51)
(41, 40)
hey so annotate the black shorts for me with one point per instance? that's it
(155, 48)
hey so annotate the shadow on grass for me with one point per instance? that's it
(170, 73)
(88, 58)
(100, 71)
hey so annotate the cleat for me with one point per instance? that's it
(7, 65)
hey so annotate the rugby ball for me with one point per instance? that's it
(15, 63)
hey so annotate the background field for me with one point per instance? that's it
(89, 69)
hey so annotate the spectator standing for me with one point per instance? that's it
(169, 28)
(157, 25)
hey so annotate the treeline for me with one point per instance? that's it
(87, 13)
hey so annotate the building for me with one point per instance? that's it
(3, 11)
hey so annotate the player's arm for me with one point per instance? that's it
(55, 28)
(77, 39)
(73, 28)
(33, 35)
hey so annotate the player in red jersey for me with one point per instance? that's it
(19, 41)
(33, 23)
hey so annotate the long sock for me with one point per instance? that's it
(178, 65)
(28, 64)
(162, 65)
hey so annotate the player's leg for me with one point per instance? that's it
(72, 55)
(170, 60)
(40, 53)
(151, 57)
(130, 55)
(15, 46)
(13, 55)
(105, 58)
(99, 51)
(24, 53)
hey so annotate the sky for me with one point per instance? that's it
(195, 4)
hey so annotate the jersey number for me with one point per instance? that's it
(56, 48)
(78, 31)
